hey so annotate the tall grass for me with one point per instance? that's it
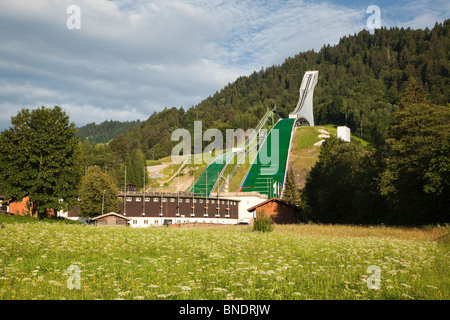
(263, 222)
(293, 262)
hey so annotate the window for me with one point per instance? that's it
(134, 221)
(155, 199)
(138, 199)
(180, 200)
(145, 221)
(129, 199)
(201, 200)
(172, 199)
(194, 200)
(147, 199)
(207, 201)
(187, 200)
(212, 201)
(164, 199)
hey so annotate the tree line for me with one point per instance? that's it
(105, 131)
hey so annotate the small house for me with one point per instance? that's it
(281, 211)
(111, 219)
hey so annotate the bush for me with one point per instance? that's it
(263, 222)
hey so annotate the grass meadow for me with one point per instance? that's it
(223, 262)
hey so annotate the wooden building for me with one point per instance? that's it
(111, 219)
(280, 211)
(169, 208)
(149, 209)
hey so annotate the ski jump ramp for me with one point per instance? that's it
(303, 112)
(266, 177)
(270, 178)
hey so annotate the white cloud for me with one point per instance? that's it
(133, 57)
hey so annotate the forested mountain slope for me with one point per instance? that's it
(361, 80)
(105, 131)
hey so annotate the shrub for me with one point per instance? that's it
(263, 222)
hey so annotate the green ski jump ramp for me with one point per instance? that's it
(210, 176)
(207, 179)
(266, 175)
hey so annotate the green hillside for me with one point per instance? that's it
(105, 131)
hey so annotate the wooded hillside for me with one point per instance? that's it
(361, 80)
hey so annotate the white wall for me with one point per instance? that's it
(343, 133)
(143, 222)
(247, 200)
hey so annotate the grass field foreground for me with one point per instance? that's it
(293, 262)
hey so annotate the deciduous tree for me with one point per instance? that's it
(40, 159)
(98, 193)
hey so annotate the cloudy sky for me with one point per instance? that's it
(130, 58)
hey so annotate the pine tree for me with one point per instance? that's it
(417, 145)
(291, 193)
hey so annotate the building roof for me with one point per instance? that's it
(111, 214)
(271, 200)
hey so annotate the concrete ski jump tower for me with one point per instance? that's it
(304, 110)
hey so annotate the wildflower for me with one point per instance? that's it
(185, 288)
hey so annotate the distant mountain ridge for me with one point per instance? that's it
(105, 131)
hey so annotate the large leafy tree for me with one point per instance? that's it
(417, 166)
(40, 159)
(98, 193)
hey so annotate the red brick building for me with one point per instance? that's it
(280, 211)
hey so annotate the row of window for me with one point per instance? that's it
(148, 199)
(170, 221)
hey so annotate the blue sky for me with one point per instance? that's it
(133, 57)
